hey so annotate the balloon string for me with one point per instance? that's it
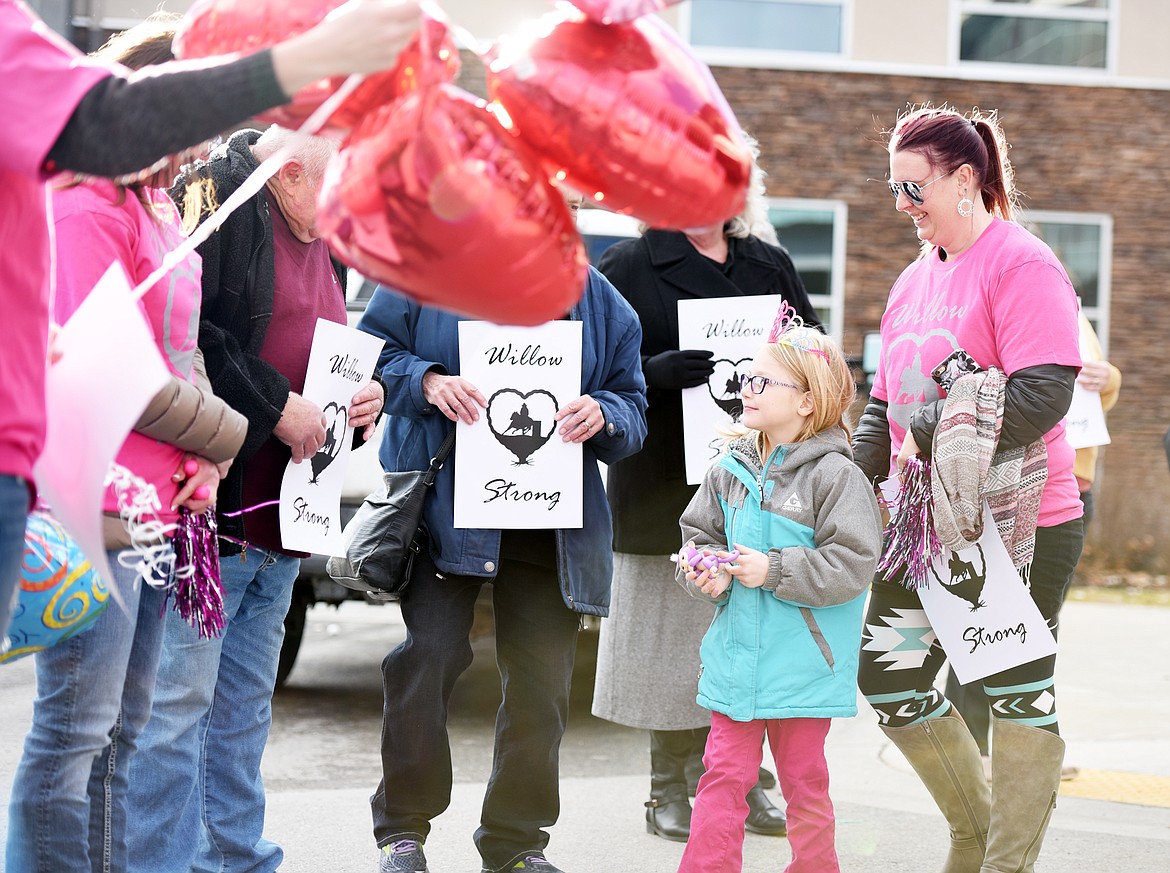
(252, 508)
(250, 187)
(249, 509)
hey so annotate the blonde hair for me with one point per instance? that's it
(753, 220)
(818, 365)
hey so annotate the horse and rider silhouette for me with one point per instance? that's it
(522, 422)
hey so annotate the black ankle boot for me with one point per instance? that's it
(668, 812)
(764, 817)
(669, 816)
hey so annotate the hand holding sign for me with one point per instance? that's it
(580, 419)
(301, 427)
(365, 407)
(453, 396)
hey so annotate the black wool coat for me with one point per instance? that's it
(648, 491)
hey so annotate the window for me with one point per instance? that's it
(813, 232)
(771, 25)
(1061, 33)
(1084, 244)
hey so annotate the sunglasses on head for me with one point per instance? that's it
(912, 190)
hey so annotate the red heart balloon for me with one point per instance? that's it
(431, 196)
(625, 114)
(218, 27)
(610, 11)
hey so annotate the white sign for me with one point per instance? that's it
(513, 470)
(1085, 422)
(110, 368)
(341, 363)
(733, 329)
(981, 611)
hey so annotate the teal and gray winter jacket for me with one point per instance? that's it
(788, 649)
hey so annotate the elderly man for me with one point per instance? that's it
(197, 799)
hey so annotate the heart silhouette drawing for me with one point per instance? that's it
(334, 433)
(522, 423)
(723, 385)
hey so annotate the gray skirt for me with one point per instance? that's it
(648, 651)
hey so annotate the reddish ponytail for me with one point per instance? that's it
(948, 139)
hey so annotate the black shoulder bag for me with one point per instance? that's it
(384, 537)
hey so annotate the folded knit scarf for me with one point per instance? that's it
(967, 469)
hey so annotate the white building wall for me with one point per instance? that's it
(901, 31)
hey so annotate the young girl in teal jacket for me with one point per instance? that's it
(796, 532)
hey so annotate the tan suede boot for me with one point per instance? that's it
(946, 759)
(1025, 776)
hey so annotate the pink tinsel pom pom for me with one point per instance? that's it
(911, 541)
(197, 590)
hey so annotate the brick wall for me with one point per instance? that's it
(1076, 149)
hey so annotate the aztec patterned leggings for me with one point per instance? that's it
(901, 656)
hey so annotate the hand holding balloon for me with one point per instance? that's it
(315, 44)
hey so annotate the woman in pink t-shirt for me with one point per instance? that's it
(94, 689)
(984, 285)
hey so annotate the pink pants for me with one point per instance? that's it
(732, 759)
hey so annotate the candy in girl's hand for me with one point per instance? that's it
(202, 492)
(190, 467)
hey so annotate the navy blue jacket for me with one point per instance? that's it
(420, 338)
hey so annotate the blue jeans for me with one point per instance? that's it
(13, 516)
(68, 809)
(536, 639)
(197, 801)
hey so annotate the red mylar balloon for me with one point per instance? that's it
(218, 27)
(625, 114)
(432, 197)
(610, 11)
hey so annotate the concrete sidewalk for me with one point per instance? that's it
(1114, 687)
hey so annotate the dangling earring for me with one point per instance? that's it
(965, 206)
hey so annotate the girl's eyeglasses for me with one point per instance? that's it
(759, 383)
(912, 189)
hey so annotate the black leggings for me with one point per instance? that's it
(901, 656)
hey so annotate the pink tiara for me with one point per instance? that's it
(786, 331)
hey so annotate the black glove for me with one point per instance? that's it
(678, 369)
